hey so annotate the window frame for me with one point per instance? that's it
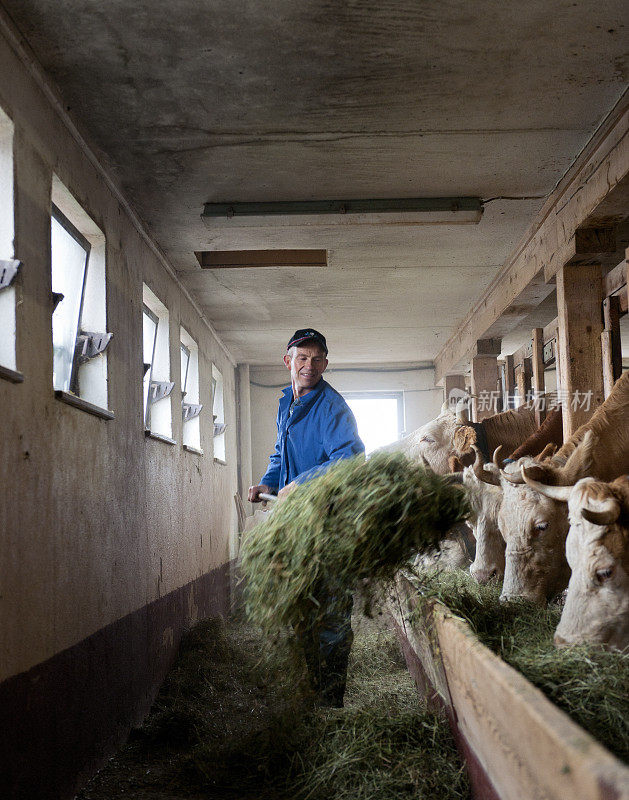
(184, 383)
(61, 219)
(155, 319)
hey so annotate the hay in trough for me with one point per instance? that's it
(361, 520)
(587, 682)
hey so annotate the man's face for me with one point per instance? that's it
(306, 366)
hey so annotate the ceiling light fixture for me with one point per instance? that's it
(401, 211)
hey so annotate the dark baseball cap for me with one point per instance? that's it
(307, 336)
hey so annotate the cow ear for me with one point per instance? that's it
(464, 438)
(580, 462)
(445, 408)
(462, 411)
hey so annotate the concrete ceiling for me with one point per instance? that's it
(210, 100)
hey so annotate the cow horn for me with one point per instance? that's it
(608, 514)
(462, 413)
(560, 493)
(547, 452)
(445, 408)
(496, 457)
(479, 469)
(512, 477)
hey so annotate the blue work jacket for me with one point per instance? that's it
(320, 431)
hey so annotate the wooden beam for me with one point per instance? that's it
(610, 343)
(231, 259)
(538, 383)
(549, 243)
(615, 279)
(453, 382)
(509, 402)
(484, 386)
(579, 298)
(488, 347)
(523, 375)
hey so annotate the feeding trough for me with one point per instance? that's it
(516, 742)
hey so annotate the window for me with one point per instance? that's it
(218, 410)
(190, 406)
(79, 319)
(8, 266)
(156, 354)
(379, 416)
(70, 254)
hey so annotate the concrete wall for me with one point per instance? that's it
(422, 400)
(103, 529)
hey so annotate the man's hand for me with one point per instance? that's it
(254, 492)
(283, 493)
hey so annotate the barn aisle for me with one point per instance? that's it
(230, 725)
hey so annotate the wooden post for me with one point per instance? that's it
(610, 343)
(538, 382)
(453, 382)
(579, 298)
(523, 381)
(509, 401)
(484, 386)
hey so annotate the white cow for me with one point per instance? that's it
(597, 549)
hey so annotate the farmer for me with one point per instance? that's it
(315, 428)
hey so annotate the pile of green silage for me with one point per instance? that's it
(361, 520)
(587, 682)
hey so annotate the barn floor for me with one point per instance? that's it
(229, 724)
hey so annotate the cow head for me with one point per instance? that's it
(434, 441)
(535, 525)
(485, 496)
(597, 548)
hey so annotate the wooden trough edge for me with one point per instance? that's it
(516, 742)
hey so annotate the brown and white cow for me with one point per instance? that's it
(534, 526)
(597, 548)
(451, 435)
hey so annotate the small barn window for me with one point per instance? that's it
(379, 417)
(190, 406)
(218, 410)
(8, 265)
(70, 254)
(79, 318)
(157, 385)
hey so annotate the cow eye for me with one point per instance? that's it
(541, 526)
(603, 575)
(427, 439)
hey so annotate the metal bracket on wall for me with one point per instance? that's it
(90, 344)
(159, 390)
(190, 410)
(8, 271)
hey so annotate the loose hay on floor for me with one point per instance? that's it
(230, 725)
(590, 684)
(361, 520)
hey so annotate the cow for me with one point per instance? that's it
(597, 548)
(484, 501)
(535, 527)
(451, 434)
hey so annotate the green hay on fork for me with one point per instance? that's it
(360, 521)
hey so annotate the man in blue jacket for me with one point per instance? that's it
(315, 428)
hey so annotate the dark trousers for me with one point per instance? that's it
(327, 641)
